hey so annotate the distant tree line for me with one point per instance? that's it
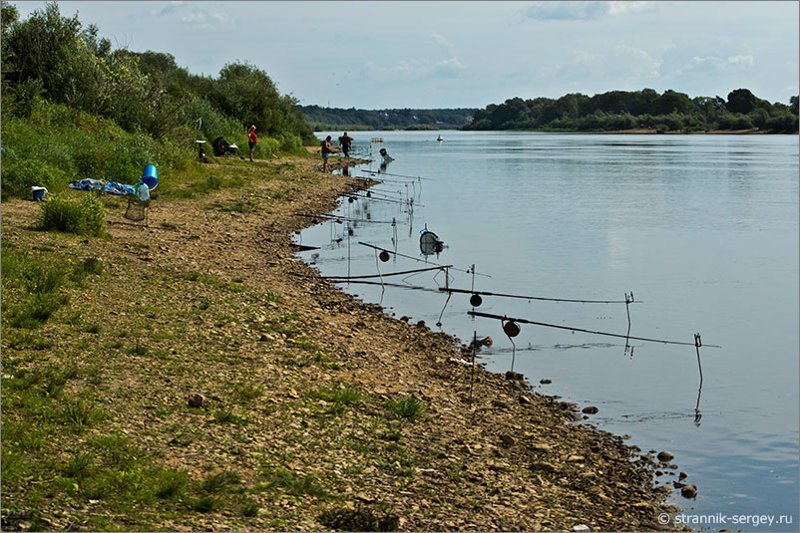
(56, 58)
(328, 119)
(646, 109)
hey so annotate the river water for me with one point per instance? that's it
(702, 230)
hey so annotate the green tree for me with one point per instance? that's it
(672, 102)
(741, 101)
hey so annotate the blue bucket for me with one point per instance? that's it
(150, 177)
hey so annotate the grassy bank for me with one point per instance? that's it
(194, 375)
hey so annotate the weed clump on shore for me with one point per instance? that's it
(84, 217)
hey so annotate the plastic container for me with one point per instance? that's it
(38, 193)
(144, 192)
(150, 177)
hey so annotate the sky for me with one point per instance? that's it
(399, 54)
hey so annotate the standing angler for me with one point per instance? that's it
(252, 140)
(345, 141)
(326, 150)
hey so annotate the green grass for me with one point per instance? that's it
(361, 518)
(408, 408)
(245, 392)
(204, 504)
(90, 266)
(249, 508)
(340, 397)
(170, 484)
(226, 416)
(295, 484)
(68, 214)
(243, 205)
(221, 481)
(211, 183)
(79, 415)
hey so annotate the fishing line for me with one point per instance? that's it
(581, 330)
(376, 198)
(387, 274)
(396, 175)
(378, 266)
(397, 285)
(342, 219)
(415, 258)
(381, 180)
(503, 295)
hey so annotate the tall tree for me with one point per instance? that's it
(741, 101)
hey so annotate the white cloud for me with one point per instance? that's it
(623, 8)
(412, 69)
(449, 68)
(443, 42)
(709, 65)
(622, 67)
(744, 61)
(172, 7)
(581, 10)
(200, 19)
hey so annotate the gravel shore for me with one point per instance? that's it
(353, 419)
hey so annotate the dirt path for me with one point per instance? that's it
(364, 415)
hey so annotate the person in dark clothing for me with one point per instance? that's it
(345, 141)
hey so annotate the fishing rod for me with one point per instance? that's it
(389, 274)
(395, 175)
(418, 259)
(503, 295)
(378, 198)
(344, 219)
(381, 180)
(581, 330)
(398, 285)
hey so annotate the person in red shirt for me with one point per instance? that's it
(252, 140)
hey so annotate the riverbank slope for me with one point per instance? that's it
(204, 378)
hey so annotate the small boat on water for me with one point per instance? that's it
(440, 138)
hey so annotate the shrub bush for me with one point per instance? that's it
(20, 175)
(64, 213)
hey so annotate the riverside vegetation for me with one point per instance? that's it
(193, 374)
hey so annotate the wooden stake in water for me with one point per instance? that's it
(697, 416)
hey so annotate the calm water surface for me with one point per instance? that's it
(702, 229)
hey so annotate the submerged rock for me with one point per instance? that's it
(665, 456)
(689, 490)
(590, 410)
